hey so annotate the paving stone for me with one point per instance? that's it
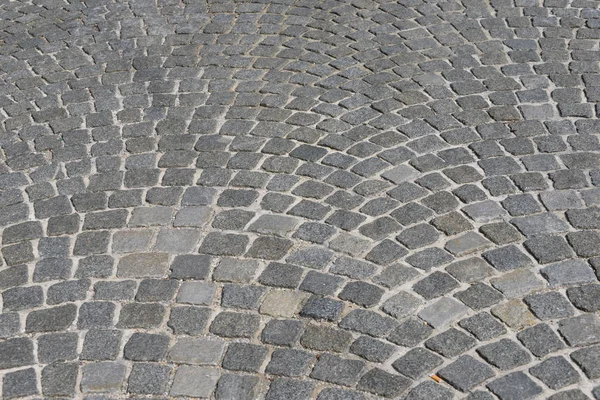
(368, 322)
(500, 233)
(547, 249)
(57, 347)
(466, 244)
(241, 296)
(143, 265)
(101, 345)
(311, 257)
(470, 270)
(196, 351)
(514, 314)
(233, 386)
(401, 305)
(443, 312)
(417, 362)
(224, 244)
(285, 388)
(517, 283)
(507, 258)
(339, 394)
(230, 270)
(230, 324)
(290, 362)
(586, 297)
(584, 243)
(352, 268)
(504, 354)
(102, 377)
(361, 293)
(435, 285)
(194, 381)
(581, 330)
(540, 224)
(587, 360)
(540, 340)
(134, 315)
(555, 372)
(244, 357)
(190, 266)
(269, 248)
(515, 385)
(51, 319)
(20, 383)
(59, 379)
(9, 324)
(483, 326)
(465, 373)
(282, 303)
(334, 369)
(450, 343)
(176, 240)
(410, 332)
(429, 258)
(156, 290)
(147, 378)
(324, 338)
(349, 244)
(16, 352)
(550, 305)
(282, 332)
(568, 273)
(371, 349)
(383, 383)
(146, 347)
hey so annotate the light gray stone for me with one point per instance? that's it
(197, 351)
(194, 381)
(443, 312)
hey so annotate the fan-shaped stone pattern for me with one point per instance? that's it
(299, 199)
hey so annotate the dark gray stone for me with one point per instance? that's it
(515, 385)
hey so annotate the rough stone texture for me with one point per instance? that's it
(305, 194)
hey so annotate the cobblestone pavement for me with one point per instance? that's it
(333, 200)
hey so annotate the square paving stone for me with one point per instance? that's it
(219, 244)
(311, 257)
(586, 297)
(500, 232)
(472, 269)
(418, 236)
(193, 216)
(143, 265)
(236, 387)
(339, 394)
(506, 258)
(176, 241)
(21, 383)
(197, 351)
(540, 224)
(582, 330)
(285, 388)
(435, 285)
(59, 379)
(362, 293)
(395, 275)
(57, 347)
(452, 223)
(466, 373)
(401, 305)
(443, 312)
(555, 372)
(199, 293)
(468, 243)
(372, 349)
(135, 315)
(334, 369)
(429, 258)
(479, 296)
(386, 252)
(281, 275)
(450, 343)
(486, 211)
(282, 332)
(352, 268)
(550, 305)
(148, 379)
(547, 249)
(283, 303)
(568, 272)
(514, 314)
(230, 324)
(16, 352)
(51, 319)
(244, 357)
(269, 248)
(483, 326)
(233, 270)
(194, 381)
(146, 347)
(101, 344)
(322, 308)
(188, 320)
(324, 338)
(410, 332)
(102, 377)
(320, 283)
(290, 362)
(417, 362)
(349, 244)
(585, 243)
(517, 283)
(588, 359)
(242, 296)
(369, 322)
(515, 385)
(504, 354)
(540, 340)
(382, 383)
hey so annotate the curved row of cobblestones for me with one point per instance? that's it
(300, 199)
